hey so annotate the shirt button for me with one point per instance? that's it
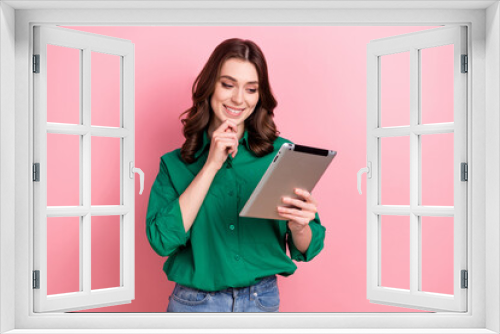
(231, 227)
(237, 257)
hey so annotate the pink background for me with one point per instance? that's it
(318, 76)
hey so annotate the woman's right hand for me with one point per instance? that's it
(224, 141)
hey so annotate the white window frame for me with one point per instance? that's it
(86, 44)
(413, 43)
(483, 21)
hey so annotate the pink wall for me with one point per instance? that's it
(318, 75)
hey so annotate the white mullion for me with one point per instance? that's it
(109, 210)
(372, 185)
(127, 186)
(422, 130)
(374, 123)
(81, 223)
(76, 129)
(405, 210)
(419, 129)
(431, 129)
(374, 194)
(86, 166)
(122, 163)
(414, 168)
(434, 211)
(103, 131)
(96, 210)
(393, 210)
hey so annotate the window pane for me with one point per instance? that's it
(105, 170)
(63, 255)
(105, 89)
(63, 170)
(437, 169)
(63, 84)
(105, 252)
(437, 254)
(395, 170)
(437, 84)
(395, 251)
(395, 89)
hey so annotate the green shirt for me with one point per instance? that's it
(221, 249)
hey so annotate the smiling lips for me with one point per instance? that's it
(233, 111)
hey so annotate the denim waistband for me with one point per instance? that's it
(266, 283)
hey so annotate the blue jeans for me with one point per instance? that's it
(261, 297)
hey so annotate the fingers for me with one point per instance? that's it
(226, 143)
(303, 210)
(305, 195)
(228, 130)
(296, 214)
(226, 136)
(294, 220)
(307, 206)
(227, 124)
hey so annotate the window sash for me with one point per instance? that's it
(413, 43)
(86, 298)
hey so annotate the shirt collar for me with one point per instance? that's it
(206, 143)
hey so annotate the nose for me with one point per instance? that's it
(238, 96)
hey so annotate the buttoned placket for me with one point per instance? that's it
(232, 193)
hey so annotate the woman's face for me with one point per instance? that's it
(236, 93)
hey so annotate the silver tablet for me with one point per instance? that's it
(294, 166)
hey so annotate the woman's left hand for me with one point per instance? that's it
(303, 212)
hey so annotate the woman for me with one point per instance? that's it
(222, 262)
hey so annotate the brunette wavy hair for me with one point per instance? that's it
(262, 131)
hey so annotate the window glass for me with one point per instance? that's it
(63, 255)
(63, 84)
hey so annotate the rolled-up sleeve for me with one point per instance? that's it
(164, 224)
(316, 245)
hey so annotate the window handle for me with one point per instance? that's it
(133, 170)
(368, 171)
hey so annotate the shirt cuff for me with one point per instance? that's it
(316, 245)
(175, 224)
(168, 233)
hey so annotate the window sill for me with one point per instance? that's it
(259, 331)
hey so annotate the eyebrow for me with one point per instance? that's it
(233, 79)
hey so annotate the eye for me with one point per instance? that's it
(226, 85)
(252, 90)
